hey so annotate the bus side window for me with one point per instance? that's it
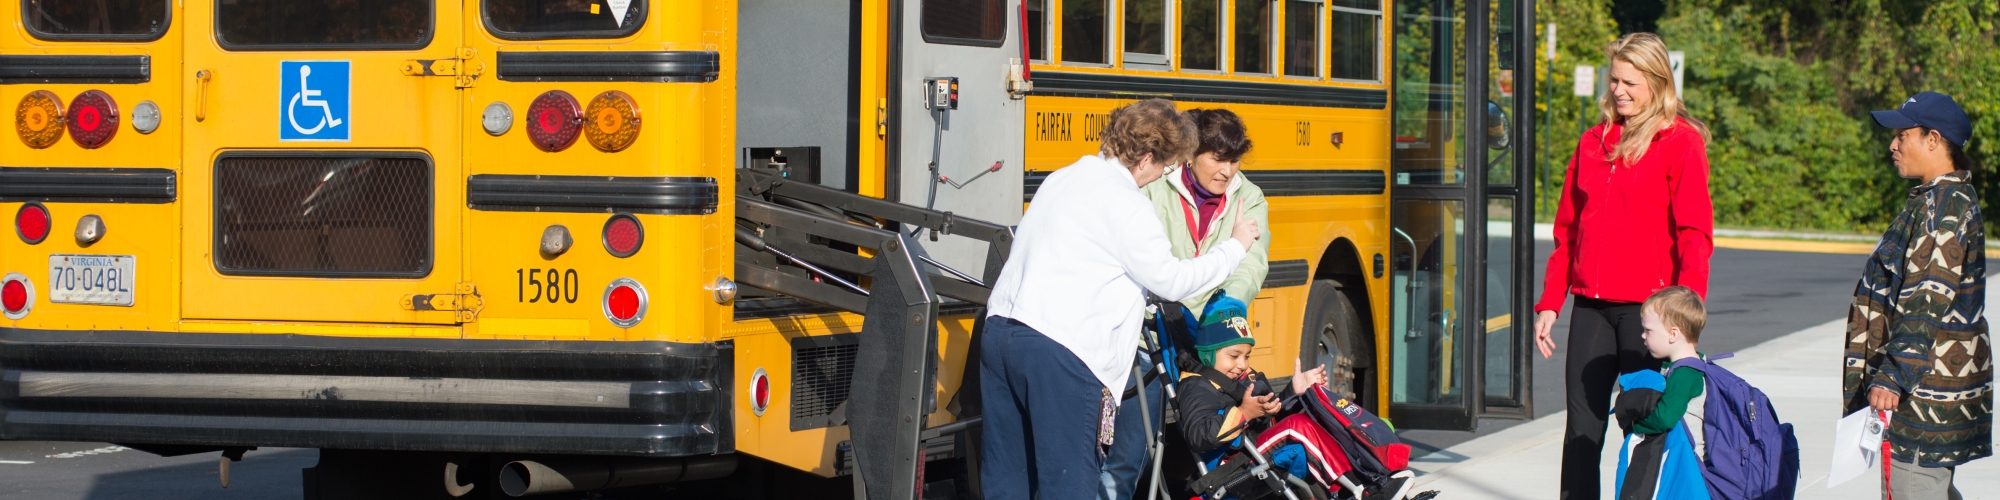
(1084, 33)
(1145, 32)
(965, 22)
(1201, 35)
(1253, 36)
(1037, 29)
(1354, 40)
(1302, 37)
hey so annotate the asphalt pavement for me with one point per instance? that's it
(98, 471)
(1754, 296)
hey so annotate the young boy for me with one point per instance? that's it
(1220, 396)
(1655, 413)
(1673, 318)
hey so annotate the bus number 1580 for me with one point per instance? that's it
(545, 285)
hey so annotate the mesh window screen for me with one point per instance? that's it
(323, 216)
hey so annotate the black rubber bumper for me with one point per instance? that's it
(502, 396)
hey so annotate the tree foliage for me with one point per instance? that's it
(1786, 86)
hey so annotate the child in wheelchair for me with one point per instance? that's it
(1251, 441)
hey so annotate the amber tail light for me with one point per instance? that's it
(38, 120)
(614, 121)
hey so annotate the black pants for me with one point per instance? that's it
(1604, 342)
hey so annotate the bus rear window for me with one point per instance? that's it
(965, 22)
(540, 19)
(329, 24)
(95, 19)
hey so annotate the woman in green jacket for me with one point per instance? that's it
(1206, 196)
(1197, 204)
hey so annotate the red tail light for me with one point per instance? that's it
(760, 392)
(554, 121)
(17, 295)
(625, 302)
(623, 235)
(93, 119)
(32, 223)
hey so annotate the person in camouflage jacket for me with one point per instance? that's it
(1917, 337)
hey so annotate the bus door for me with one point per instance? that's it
(321, 168)
(958, 129)
(1460, 242)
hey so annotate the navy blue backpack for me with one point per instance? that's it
(1751, 455)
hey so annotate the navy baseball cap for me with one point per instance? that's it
(1929, 109)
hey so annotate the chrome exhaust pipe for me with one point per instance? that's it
(587, 473)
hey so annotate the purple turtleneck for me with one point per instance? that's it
(1209, 203)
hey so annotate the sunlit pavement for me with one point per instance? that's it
(1800, 372)
(97, 471)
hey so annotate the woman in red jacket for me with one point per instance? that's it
(1635, 217)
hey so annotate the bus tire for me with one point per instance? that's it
(1334, 337)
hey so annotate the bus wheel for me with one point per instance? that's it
(1333, 337)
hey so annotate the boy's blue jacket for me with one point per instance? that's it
(1680, 474)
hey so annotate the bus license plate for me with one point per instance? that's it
(106, 280)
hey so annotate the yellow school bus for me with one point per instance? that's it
(548, 246)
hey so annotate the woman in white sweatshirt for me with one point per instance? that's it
(1066, 312)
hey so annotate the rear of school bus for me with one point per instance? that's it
(487, 228)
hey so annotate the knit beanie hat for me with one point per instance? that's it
(1223, 324)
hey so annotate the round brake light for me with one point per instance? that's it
(39, 119)
(614, 121)
(760, 392)
(17, 296)
(625, 302)
(32, 222)
(554, 121)
(93, 119)
(623, 235)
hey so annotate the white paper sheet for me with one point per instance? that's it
(1857, 446)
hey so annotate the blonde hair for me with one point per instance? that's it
(1153, 127)
(1679, 307)
(1646, 53)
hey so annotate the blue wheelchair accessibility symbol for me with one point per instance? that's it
(314, 100)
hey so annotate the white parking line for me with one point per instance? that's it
(16, 462)
(85, 453)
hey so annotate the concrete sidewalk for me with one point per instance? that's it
(1800, 372)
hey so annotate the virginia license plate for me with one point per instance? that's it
(92, 279)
